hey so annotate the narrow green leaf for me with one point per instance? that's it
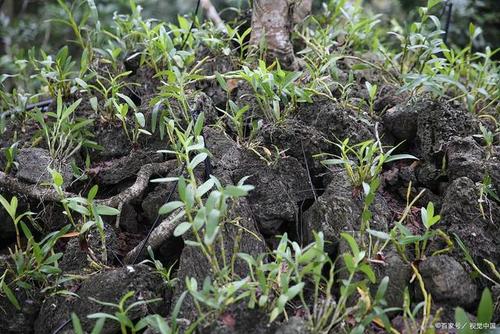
(485, 309)
(105, 210)
(199, 158)
(181, 229)
(463, 320)
(169, 207)
(10, 295)
(352, 243)
(77, 326)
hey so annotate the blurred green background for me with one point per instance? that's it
(27, 23)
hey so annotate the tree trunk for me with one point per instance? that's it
(272, 23)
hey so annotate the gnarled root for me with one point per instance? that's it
(45, 194)
(159, 236)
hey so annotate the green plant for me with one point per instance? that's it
(159, 324)
(58, 73)
(239, 121)
(112, 56)
(175, 81)
(216, 297)
(128, 29)
(152, 321)
(14, 104)
(11, 208)
(90, 212)
(401, 236)
(121, 314)
(363, 161)
(77, 325)
(91, 215)
(35, 262)
(109, 89)
(372, 94)
(486, 194)
(467, 256)
(204, 207)
(275, 287)
(66, 134)
(484, 316)
(419, 319)
(80, 28)
(428, 220)
(420, 43)
(270, 156)
(139, 122)
(165, 273)
(489, 137)
(32, 266)
(203, 218)
(57, 184)
(162, 53)
(239, 39)
(345, 91)
(370, 191)
(473, 75)
(276, 91)
(10, 155)
(268, 285)
(237, 117)
(427, 63)
(156, 44)
(279, 279)
(340, 27)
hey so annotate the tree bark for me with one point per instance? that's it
(301, 10)
(272, 23)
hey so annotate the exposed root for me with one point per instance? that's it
(35, 191)
(44, 194)
(159, 236)
(213, 15)
(140, 184)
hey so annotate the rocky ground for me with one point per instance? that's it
(293, 193)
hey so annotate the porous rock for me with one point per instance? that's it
(294, 325)
(113, 141)
(401, 121)
(194, 264)
(120, 169)
(239, 319)
(335, 122)
(75, 258)
(338, 210)
(428, 124)
(33, 164)
(437, 121)
(399, 273)
(447, 282)
(461, 215)
(279, 186)
(467, 158)
(156, 198)
(13, 321)
(107, 286)
(298, 140)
